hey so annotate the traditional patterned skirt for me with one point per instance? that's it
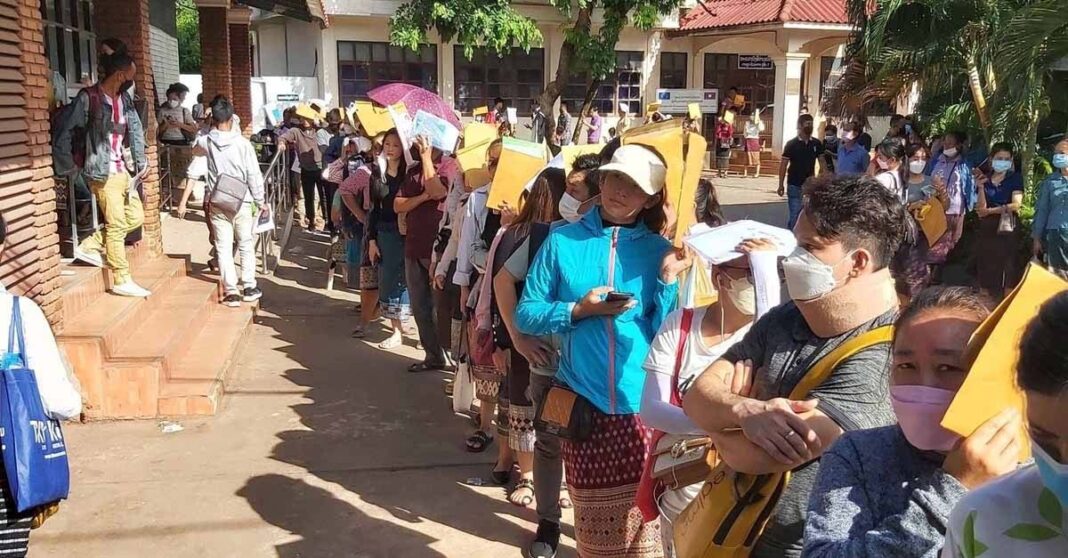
(602, 477)
(520, 409)
(14, 527)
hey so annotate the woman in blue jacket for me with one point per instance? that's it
(617, 249)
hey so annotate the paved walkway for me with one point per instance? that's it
(325, 446)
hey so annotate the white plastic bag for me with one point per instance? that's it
(463, 389)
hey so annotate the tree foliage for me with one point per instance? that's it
(188, 37)
(497, 25)
(980, 65)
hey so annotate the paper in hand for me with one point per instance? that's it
(441, 134)
(717, 245)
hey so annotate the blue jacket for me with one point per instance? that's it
(600, 357)
(1051, 208)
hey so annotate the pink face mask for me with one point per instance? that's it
(919, 411)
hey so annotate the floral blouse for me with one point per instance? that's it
(1013, 516)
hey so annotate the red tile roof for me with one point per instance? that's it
(716, 14)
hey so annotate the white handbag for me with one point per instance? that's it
(463, 389)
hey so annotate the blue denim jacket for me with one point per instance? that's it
(1051, 209)
(97, 146)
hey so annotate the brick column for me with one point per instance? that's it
(36, 273)
(241, 70)
(215, 55)
(128, 21)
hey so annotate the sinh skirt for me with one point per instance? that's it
(602, 477)
(392, 288)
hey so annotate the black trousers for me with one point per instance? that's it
(311, 181)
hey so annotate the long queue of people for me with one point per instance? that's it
(837, 392)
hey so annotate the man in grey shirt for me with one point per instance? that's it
(841, 287)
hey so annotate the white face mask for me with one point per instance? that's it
(172, 103)
(807, 277)
(742, 295)
(569, 208)
(950, 152)
(917, 167)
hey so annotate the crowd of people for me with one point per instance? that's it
(833, 397)
(577, 292)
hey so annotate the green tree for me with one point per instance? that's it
(982, 65)
(188, 37)
(588, 49)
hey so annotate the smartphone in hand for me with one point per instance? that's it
(618, 296)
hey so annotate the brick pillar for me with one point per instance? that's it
(41, 281)
(215, 66)
(241, 66)
(128, 20)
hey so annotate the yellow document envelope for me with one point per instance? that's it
(478, 132)
(479, 111)
(686, 204)
(473, 157)
(694, 110)
(520, 161)
(375, 120)
(993, 352)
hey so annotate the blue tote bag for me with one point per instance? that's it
(35, 455)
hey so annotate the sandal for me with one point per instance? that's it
(429, 367)
(358, 333)
(478, 442)
(526, 499)
(566, 503)
(501, 478)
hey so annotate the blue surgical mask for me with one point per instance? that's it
(1001, 165)
(1054, 474)
(1060, 160)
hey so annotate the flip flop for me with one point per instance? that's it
(429, 367)
(478, 442)
(391, 343)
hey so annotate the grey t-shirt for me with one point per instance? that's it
(518, 264)
(855, 396)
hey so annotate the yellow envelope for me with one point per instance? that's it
(477, 132)
(694, 110)
(375, 120)
(931, 216)
(739, 100)
(696, 145)
(480, 111)
(520, 161)
(306, 111)
(473, 157)
(652, 108)
(572, 152)
(993, 352)
(728, 117)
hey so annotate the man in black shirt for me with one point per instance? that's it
(799, 156)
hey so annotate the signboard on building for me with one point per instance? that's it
(677, 101)
(755, 62)
(287, 97)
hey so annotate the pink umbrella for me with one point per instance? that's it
(415, 99)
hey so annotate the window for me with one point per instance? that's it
(623, 87)
(517, 77)
(673, 70)
(70, 44)
(362, 66)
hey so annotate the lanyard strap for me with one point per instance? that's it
(14, 336)
(680, 353)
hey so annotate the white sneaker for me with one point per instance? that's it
(89, 257)
(130, 288)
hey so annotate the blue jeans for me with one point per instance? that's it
(793, 202)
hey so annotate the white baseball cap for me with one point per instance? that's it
(641, 165)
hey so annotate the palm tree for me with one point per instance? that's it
(984, 64)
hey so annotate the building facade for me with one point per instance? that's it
(782, 55)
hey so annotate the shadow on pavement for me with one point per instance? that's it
(385, 436)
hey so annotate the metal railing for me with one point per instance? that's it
(276, 186)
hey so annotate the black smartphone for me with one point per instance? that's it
(617, 296)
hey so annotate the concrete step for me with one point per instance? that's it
(84, 284)
(110, 318)
(176, 314)
(196, 370)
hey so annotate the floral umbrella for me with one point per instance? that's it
(415, 99)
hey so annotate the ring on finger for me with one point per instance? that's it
(788, 433)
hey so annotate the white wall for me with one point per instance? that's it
(286, 47)
(265, 92)
(164, 50)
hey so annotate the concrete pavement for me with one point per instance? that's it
(324, 447)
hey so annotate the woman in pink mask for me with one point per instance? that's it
(889, 491)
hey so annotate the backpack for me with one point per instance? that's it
(77, 140)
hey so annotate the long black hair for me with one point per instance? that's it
(379, 186)
(1043, 364)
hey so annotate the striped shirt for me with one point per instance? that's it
(118, 121)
